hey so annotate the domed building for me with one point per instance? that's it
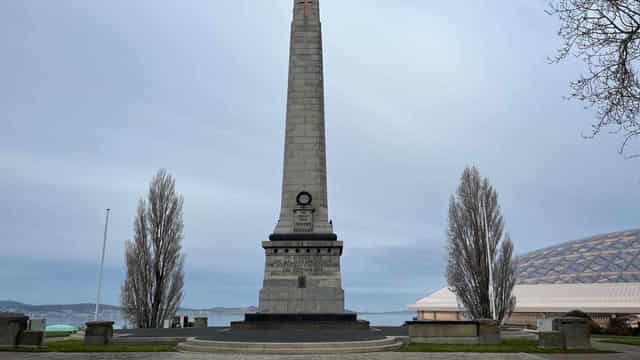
(601, 259)
(599, 275)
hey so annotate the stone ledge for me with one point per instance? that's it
(303, 237)
(302, 321)
(302, 244)
(454, 332)
(125, 340)
(387, 344)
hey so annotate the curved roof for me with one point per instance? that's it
(556, 298)
(606, 258)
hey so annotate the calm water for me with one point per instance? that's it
(388, 319)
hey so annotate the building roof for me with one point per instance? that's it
(593, 298)
(606, 258)
(596, 274)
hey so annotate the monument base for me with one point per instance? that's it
(302, 321)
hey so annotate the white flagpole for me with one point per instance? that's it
(492, 306)
(104, 245)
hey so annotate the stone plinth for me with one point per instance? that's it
(302, 277)
(454, 332)
(201, 322)
(327, 321)
(11, 328)
(488, 332)
(31, 338)
(98, 333)
(551, 340)
(576, 332)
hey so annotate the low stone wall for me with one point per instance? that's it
(551, 340)
(11, 327)
(201, 322)
(454, 332)
(568, 333)
(576, 332)
(98, 333)
(14, 333)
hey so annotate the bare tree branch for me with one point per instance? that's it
(152, 290)
(605, 34)
(475, 219)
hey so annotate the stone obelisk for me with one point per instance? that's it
(302, 267)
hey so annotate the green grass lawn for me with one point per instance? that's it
(625, 340)
(507, 346)
(79, 346)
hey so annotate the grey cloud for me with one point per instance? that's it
(97, 96)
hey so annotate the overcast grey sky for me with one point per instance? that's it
(96, 96)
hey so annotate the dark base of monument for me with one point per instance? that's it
(267, 336)
(264, 321)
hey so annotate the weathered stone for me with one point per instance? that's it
(454, 332)
(551, 340)
(488, 331)
(201, 322)
(302, 267)
(31, 338)
(576, 332)
(11, 327)
(98, 333)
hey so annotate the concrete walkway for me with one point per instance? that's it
(185, 356)
(626, 353)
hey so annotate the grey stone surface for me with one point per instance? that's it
(31, 338)
(11, 327)
(576, 332)
(201, 322)
(550, 340)
(304, 276)
(488, 332)
(305, 157)
(98, 332)
(334, 347)
(203, 356)
(454, 332)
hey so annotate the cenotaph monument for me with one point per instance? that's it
(302, 281)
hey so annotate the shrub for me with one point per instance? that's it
(624, 325)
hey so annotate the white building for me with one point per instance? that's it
(599, 275)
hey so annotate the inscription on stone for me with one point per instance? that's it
(303, 221)
(315, 265)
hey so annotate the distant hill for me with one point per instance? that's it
(15, 306)
(21, 307)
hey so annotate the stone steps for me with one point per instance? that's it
(147, 340)
(386, 344)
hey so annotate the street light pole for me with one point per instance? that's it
(104, 245)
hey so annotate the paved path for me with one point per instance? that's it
(626, 353)
(184, 356)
